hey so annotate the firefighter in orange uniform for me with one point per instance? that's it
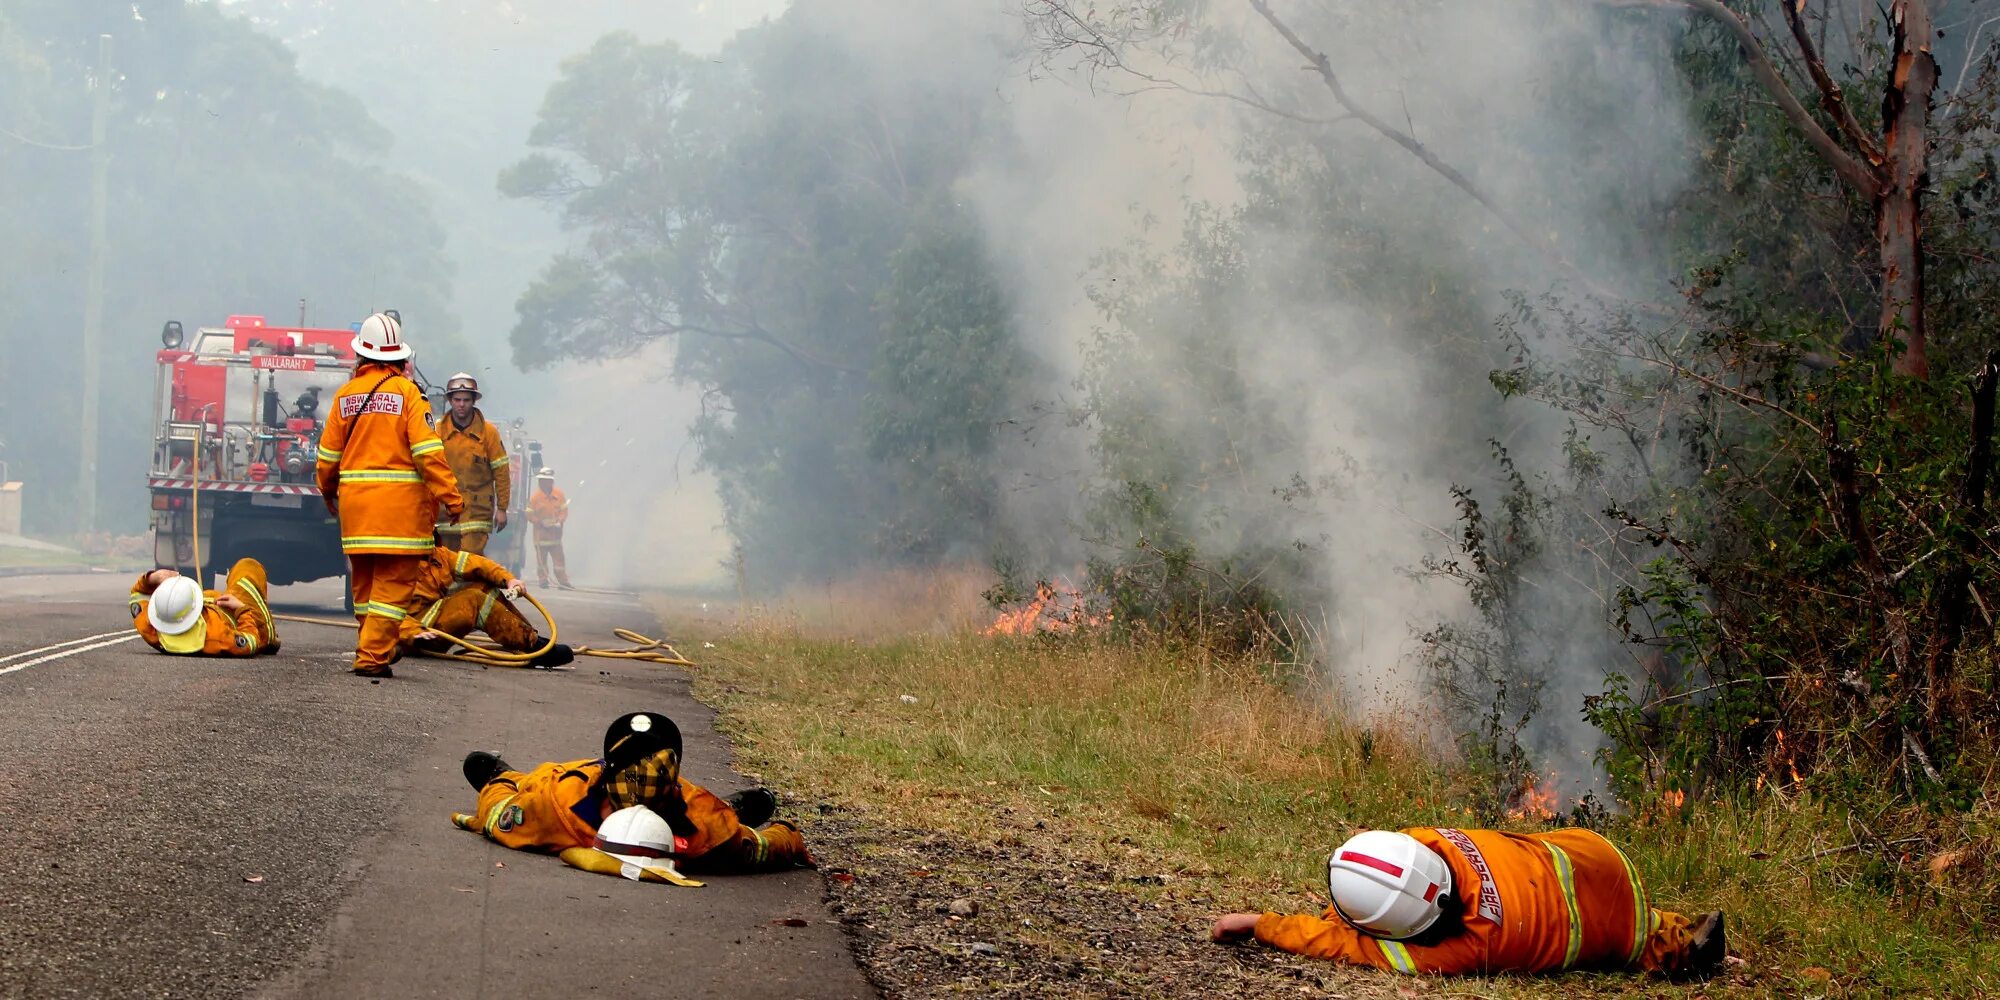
(481, 602)
(382, 472)
(557, 807)
(1482, 902)
(174, 615)
(478, 460)
(548, 511)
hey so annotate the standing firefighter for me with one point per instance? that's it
(478, 460)
(382, 471)
(548, 511)
(1481, 902)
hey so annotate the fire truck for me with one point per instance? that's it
(238, 415)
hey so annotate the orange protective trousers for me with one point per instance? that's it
(384, 586)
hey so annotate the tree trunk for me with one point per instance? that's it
(1906, 115)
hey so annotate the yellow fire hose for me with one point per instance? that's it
(644, 648)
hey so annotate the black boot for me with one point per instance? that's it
(557, 655)
(754, 806)
(1706, 948)
(482, 766)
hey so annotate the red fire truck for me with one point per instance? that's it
(248, 399)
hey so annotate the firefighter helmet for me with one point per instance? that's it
(546, 473)
(175, 611)
(635, 834)
(462, 382)
(1388, 884)
(381, 339)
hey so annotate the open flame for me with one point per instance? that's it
(1537, 799)
(1056, 607)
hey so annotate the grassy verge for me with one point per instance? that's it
(12, 556)
(1102, 802)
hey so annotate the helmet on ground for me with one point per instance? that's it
(639, 735)
(635, 834)
(546, 473)
(1388, 884)
(462, 382)
(175, 605)
(381, 339)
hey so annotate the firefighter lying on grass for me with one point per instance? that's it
(481, 603)
(1443, 902)
(174, 615)
(630, 812)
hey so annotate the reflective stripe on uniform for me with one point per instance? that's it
(135, 602)
(380, 476)
(485, 608)
(421, 448)
(263, 610)
(1642, 910)
(1398, 955)
(328, 454)
(498, 463)
(492, 819)
(458, 565)
(385, 542)
(473, 526)
(383, 610)
(1566, 876)
(430, 617)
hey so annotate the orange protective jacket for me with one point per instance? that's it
(440, 569)
(478, 460)
(548, 512)
(1532, 903)
(242, 636)
(384, 468)
(552, 808)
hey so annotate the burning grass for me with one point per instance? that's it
(1103, 800)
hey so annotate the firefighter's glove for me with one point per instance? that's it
(514, 590)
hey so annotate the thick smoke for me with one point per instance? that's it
(1569, 125)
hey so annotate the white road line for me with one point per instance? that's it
(25, 664)
(59, 645)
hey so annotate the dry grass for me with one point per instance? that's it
(1203, 785)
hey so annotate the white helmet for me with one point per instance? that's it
(636, 834)
(546, 474)
(381, 339)
(1388, 884)
(463, 382)
(175, 605)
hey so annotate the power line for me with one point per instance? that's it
(17, 137)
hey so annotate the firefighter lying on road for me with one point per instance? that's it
(1443, 902)
(174, 615)
(592, 811)
(482, 602)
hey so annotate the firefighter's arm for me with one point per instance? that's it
(148, 582)
(473, 566)
(503, 481)
(326, 467)
(1317, 937)
(428, 452)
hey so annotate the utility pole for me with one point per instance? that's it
(93, 304)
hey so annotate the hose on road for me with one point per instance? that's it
(644, 647)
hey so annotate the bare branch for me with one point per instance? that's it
(1318, 62)
(1854, 172)
(1831, 97)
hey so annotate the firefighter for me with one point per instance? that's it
(548, 511)
(558, 807)
(478, 460)
(174, 615)
(1482, 902)
(481, 601)
(383, 474)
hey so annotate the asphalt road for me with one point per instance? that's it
(277, 827)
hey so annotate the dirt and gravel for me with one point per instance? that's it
(1048, 922)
